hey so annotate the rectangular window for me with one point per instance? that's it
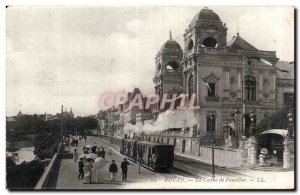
(210, 123)
(211, 90)
(288, 100)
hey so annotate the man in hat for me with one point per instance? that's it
(124, 167)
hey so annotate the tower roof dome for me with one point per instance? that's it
(206, 14)
(170, 44)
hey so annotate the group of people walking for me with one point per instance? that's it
(113, 169)
(93, 172)
(91, 169)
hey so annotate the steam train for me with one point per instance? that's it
(157, 156)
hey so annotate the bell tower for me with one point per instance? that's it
(168, 77)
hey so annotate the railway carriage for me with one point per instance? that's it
(129, 148)
(155, 155)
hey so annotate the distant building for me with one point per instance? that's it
(67, 114)
(285, 85)
(20, 114)
(48, 117)
(10, 119)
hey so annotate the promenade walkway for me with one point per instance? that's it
(65, 177)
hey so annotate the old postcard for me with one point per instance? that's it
(157, 97)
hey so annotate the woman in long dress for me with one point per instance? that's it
(97, 174)
(87, 171)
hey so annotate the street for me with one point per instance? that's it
(186, 174)
(67, 173)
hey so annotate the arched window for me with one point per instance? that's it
(190, 45)
(250, 88)
(190, 85)
(210, 42)
(172, 66)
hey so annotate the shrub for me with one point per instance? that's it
(25, 175)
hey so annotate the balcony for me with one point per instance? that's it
(212, 99)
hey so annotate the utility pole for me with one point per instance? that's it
(138, 158)
(61, 128)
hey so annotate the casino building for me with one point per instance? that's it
(235, 71)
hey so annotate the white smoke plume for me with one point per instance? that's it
(128, 127)
(171, 119)
(165, 120)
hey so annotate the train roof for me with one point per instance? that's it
(146, 142)
(130, 139)
(154, 143)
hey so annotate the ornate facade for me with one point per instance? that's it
(230, 78)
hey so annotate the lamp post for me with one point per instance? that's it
(212, 146)
(237, 113)
(252, 125)
(288, 143)
(252, 139)
(61, 128)
(213, 156)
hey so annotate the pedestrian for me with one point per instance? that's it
(93, 149)
(72, 142)
(124, 167)
(113, 169)
(81, 165)
(85, 151)
(75, 155)
(153, 160)
(102, 153)
(69, 141)
(76, 142)
(98, 152)
(97, 173)
(87, 171)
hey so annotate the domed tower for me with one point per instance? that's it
(205, 34)
(205, 31)
(168, 77)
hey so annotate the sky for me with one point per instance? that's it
(71, 55)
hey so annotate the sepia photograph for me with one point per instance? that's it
(150, 97)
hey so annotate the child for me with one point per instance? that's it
(113, 169)
(81, 165)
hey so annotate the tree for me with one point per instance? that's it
(45, 145)
(277, 120)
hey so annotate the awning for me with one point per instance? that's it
(282, 132)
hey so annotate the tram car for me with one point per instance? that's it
(129, 148)
(155, 155)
